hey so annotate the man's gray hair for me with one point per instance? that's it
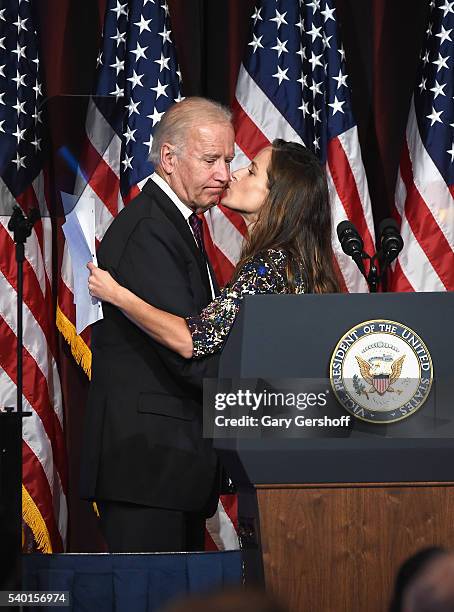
(180, 118)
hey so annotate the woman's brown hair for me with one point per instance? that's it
(296, 218)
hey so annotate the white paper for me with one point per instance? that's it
(79, 230)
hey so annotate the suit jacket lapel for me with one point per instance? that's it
(177, 219)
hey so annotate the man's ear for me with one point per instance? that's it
(168, 158)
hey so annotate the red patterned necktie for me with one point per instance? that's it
(197, 229)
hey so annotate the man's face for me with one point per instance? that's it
(201, 171)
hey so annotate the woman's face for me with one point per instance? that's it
(248, 188)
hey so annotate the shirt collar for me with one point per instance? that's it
(185, 210)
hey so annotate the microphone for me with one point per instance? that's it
(351, 242)
(391, 242)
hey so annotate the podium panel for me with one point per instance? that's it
(338, 515)
(294, 337)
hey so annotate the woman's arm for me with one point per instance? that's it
(167, 329)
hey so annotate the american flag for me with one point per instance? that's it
(293, 84)
(138, 79)
(425, 184)
(23, 181)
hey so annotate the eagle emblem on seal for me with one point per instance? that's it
(381, 372)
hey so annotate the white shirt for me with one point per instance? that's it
(184, 210)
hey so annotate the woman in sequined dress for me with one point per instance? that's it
(283, 197)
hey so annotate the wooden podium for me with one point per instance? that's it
(337, 548)
(337, 516)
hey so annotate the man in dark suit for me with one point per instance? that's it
(144, 460)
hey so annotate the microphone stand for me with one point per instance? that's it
(21, 227)
(373, 278)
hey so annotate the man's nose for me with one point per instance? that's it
(223, 171)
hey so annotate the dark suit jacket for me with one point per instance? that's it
(143, 437)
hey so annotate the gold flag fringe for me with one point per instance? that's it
(79, 349)
(32, 516)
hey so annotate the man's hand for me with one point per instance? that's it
(101, 285)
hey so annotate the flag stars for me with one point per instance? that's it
(120, 37)
(2, 44)
(148, 143)
(451, 152)
(447, 8)
(20, 51)
(2, 14)
(120, 9)
(314, 32)
(136, 79)
(302, 52)
(316, 88)
(422, 85)
(165, 35)
(281, 75)
(118, 93)
(143, 24)
(300, 25)
(19, 134)
(132, 107)
(127, 162)
(279, 19)
(160, 90)
(129, 134)
(37, 88)
(165, 8)
(99, 59)
(444, 35)
(341, 79)
(257, 15)
(139, 52)
(302, 80)
(119, 65)
(316, 143)
(163, 62)
(19, 79)
(19, 161)
(179, 98)
(315, 116)
(2, 95)
(19, 107)
(304, 108)
(315, 5)
(429, 29)
(280, 47)
(1, 125)
(337, 106)
(315, 60)
(328, 13)
(438, 89)
(155, 117)
(441, 62)
(425, 57)
(20, 24)
(435, 116)
(37, 144)
(326, 40)
(341, 52)
(256, 42)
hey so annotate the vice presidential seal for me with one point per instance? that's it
(381, 371)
